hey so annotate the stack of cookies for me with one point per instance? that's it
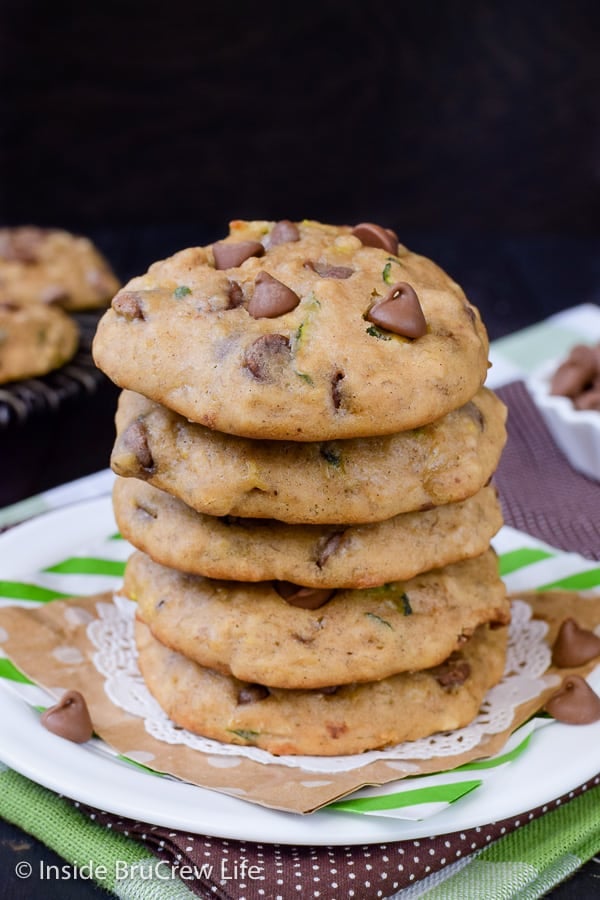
(304, 451)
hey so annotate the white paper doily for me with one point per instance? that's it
(528, 659)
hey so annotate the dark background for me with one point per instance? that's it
(472, 128)
(149, 125)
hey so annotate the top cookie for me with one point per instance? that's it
(43, 265)
(299, 332)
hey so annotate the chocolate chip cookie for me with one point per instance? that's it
(319, 556)
(340, 720)
(356, 480)
(52, 266)
(297, 331)
(276, 634)
(34, 339)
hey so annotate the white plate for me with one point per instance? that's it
(560, 757)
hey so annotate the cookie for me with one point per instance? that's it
(45, 265)
(252, 632)
(310, 333)
(34, 339)
(319, 556)
(346, 719)
(357, 480)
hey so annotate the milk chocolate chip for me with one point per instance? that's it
(303, 597)
(336, 389)
(474, 413)
(21, 244)
(267, 356)
(271, 298)
(54, 293)
(231, 255)
(574, 646)
(575, 703)
(328, 547)
(69, 718)
(375, 236)
(578, 377)
(129, 305)
(283, 232)
(235, 295)
(400, 312)
(135, 439)
(588, 400)
(452, 673)
(324, 270)
(252, 693)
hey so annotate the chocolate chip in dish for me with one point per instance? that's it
(578, 377)
(566, 392)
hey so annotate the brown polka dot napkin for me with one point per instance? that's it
(539, 491)
(280, 872)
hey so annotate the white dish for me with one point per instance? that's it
(576, 432)
(558, 760)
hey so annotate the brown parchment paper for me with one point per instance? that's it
(38, 637)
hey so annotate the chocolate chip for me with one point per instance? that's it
(472, 410)
(375, 236)
(400, 312)
(588, 400)
(69, 718)
(470, 312)
(246, 522)
(284, 232)
(135, 439)
(54, 293)
(569, 380)
(330, 545)
(336, 731)
(575, 703)
(150, 513)
(328, 690)
(129, 304)
(235, 295)
(271, 298)
(303, 597)
(7, 306)
(267, 356)
(574, 646)
(21, 244)
(452, 673)
(230, 255)
(101, 281)
(326, 271)
(336, 389)
(251, 693)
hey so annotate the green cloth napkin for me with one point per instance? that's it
(524, 864)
